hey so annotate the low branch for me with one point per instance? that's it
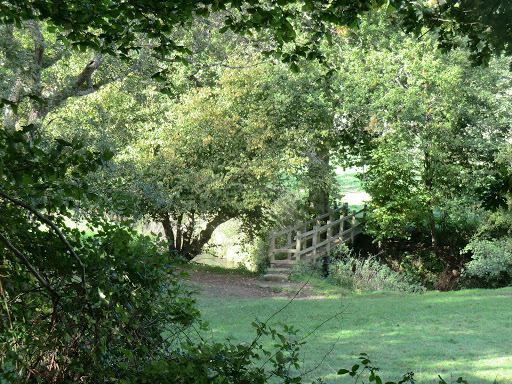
(48, 222)
(31, 268)
(82, 84)
(83, 78)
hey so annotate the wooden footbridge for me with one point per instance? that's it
(312, 239)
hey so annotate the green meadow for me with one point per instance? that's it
(464, 333)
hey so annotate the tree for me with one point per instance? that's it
(222, 151)
(432, 130)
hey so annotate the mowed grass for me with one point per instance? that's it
(465, 333)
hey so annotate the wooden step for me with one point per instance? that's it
(279, 270)
(282, 264)
(276, 277)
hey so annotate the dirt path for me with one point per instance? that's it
(242, 287)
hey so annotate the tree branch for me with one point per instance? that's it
(76, 87)
(83, 78)
(48, 222)
(25, 261)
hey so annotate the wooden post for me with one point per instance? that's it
(272, 247)
(297, 246)
(342, 226)
(329, 236)
(315, 240)
(289, 240)
(352, 233)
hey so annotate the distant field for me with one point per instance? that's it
(466, 333)
(350, 187)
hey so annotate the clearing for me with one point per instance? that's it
(464, 333)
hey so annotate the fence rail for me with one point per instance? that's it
(315, 238)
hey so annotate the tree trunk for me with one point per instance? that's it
(428, 187)
(169, 233)
(187, 237)
(319, 173)
(206, 234)
(179, 233)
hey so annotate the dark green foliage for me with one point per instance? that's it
(487, 25)
(136, 324)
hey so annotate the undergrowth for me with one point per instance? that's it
(356, 274)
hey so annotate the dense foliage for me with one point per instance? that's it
(429, 128)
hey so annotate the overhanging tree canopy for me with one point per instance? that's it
(116, 26)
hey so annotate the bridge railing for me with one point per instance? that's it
(315, 238)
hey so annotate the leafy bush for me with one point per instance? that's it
(305, 269)
(491, 264)
(135, 323)
(258, 254)
(107, 328)
(367, 275)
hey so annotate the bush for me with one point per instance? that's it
(491, 264)
(108, 329)
(367, 275)
(134, 323)
(258, 254)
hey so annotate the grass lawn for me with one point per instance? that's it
(465, 333)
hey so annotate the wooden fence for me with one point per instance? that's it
(315, 238)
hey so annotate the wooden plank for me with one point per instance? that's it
(297, 246)
(315, 240)
(284, 250)
(284, 262)
(283, 232)
(329, 236)
(307, 234)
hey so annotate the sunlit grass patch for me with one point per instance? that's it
(465, 333)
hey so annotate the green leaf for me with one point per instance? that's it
(27, 128)
(343, 371)
(158, 77)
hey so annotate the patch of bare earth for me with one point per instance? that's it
(214, 285)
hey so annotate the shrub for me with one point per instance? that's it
(258, 254)
(367, 275)
(134, 323)
(108, 329)
(304, 269)
(491, 264)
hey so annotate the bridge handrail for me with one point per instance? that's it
(294, 249)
